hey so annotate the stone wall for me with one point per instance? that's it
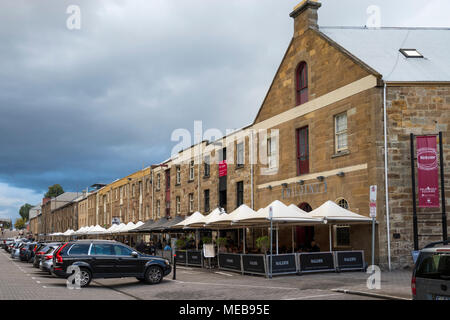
(420, 110)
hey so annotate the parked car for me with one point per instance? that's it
(6, 243)
(41, 250)
(46, 261)
(15, 250)
(26, 251)
(431, 275)
(108, 259)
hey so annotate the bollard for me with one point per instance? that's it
(174, 267)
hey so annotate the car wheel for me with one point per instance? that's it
(85, 277)
(154, 275)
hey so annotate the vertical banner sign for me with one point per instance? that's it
(427, 172)
(222, 168)
(373, 201)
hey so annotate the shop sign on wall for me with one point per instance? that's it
(296, 189)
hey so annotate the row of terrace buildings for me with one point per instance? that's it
(318, 136)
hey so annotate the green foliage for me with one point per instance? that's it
(180, 243)
(221, 242)
(54, 191)
(207, 240)
(19, 224)
(25, 211)
(263, 243)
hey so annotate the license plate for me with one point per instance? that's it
(441, 298)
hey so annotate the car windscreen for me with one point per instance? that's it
(79, 249)
(434, 266)
(42, 249)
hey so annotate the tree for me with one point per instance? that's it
(20, 224)
(54, 191)
(25, 211)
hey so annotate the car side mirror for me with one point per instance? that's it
(134, 254)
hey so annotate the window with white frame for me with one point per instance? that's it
(207, 166)
(158, 208)
(158, 181)
(178, 205)
(191, 202)
(340, 129)
(178, 175)
(272, 152)
(240, 154)
(191, 170)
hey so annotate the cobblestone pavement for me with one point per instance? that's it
(19, 280)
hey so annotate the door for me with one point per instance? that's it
(302, 151)
(103, 260)
(126, 264)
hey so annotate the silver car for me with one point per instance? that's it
(46, 263)
(431, 275)
(15, 252)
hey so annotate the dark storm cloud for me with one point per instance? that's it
(92, 105)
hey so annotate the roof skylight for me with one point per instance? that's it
(411, 53)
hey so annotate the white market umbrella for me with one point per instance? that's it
(97, 230)
(195, 217)
(331, 212)
(137, 225)
(125, 228)
(196, 220)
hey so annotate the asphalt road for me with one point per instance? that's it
(20, 281)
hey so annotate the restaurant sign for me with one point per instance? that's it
(194, 258)
(350, 260)
(427, 172)
(283, 263)
(180, 257)
(297, 190)
(315, 262)
(254, 263)
(230, 261)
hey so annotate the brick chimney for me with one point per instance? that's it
(305, 16)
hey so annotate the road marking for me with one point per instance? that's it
(316, 296)
(223, 273)
(38, 282)
(237, 285)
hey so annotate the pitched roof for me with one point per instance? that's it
(379, 49)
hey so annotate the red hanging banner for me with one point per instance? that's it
(427, 172)
(222, 168)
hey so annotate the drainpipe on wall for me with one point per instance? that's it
(386, 187)
(251, 168)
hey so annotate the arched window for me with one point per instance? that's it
(305, 207)
(302, 83)
(342, 203)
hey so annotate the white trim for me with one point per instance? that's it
(311, 176)
(319, 103)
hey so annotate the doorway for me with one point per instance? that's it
(304, 235)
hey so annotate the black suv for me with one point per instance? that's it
(108, 259)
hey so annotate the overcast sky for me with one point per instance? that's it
(92, 105)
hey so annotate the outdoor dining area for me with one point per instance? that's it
(262, 242)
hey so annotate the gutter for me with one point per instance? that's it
(386, 178)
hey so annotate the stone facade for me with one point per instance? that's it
(420, 110)
(338, 84)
